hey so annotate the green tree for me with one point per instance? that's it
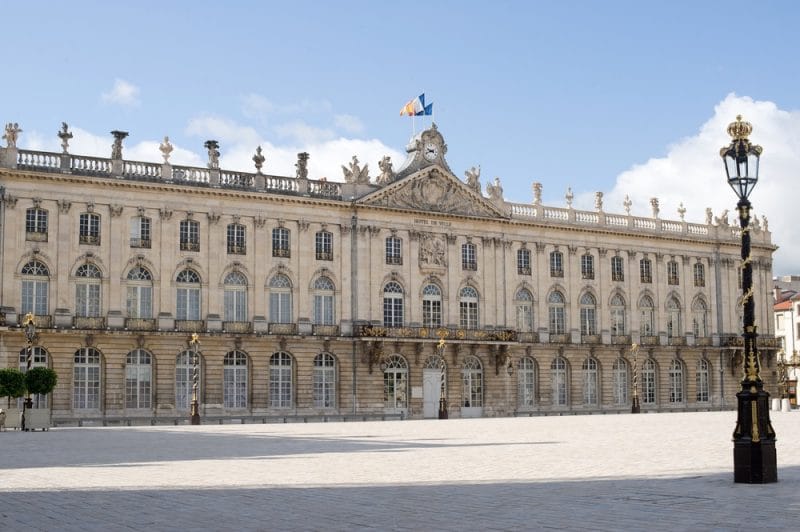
(41, 380)
(12, 384)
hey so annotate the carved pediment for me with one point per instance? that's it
(433, 190)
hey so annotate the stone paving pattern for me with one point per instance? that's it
(605, 472)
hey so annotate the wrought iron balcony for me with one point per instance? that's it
(237, 326)
(140, 324)
(283, 328)
(190, 325)
(93, 240)
(89, 322)
(190, 246)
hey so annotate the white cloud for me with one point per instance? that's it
(692, 173)
(349, 123)
(303, 133)
(122, 93)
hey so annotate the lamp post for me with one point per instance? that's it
(635, 401)
(29, 322)
(754, 459)
(442, 390)
(195, 408)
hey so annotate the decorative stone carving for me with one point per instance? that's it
(164, 213)
(302, 165)
(756, 224)
(709, 216)
(116, 210)
(432, 250)
(259, 159)
(302, 225)
(495, 191)
(387, 174)
(259, 221)
(140, 211)
(722, 219)
(90, 206)
(537, 193)
(236, 218)
(12, 134)
(213, 154)
(765, 223)
(213, 217)
(681, 211)
(116, 147)
(569, 197)
(598, 201)
(64, 206)
(654, 206)
(9, 201)
(473, 178)
(37, 203)
(64, 135)
(356, 174)
(166, 148)
(627, 204)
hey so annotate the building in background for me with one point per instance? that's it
(373, 296)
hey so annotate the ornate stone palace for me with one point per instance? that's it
(374, 296)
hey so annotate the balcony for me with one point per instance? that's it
(36, 236)
(676, 340)
(89, 322)
(646, 278)
(498, 335)
(190, 246)
(92, 240)
(237, 326)
(559, 339)
(190, 325)
(528, 337)
(394, 260)
(281, 252)
(140, 242)
(620, 339)
(324, 255)
(140, 324)
(592, 339)
(587, 275)
(524, 270)
(325, 330)
(43, 322)
(469, 266)
(283, 328)
(556, 273)
(617, 277)
(237, 249)
(649, 340)
(704, 341)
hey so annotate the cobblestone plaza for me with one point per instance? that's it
(602, 472)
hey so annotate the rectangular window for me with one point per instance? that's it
(36, 225)
(672, 273)
(699, 275)
(524, 261)
(645, 271)
(556, 264)
(280, 242)
(431, 313)
(89, 229)
(394, 250)
(469, 259)
(617, 269)
(587, 266)
(324, 245)
(280, 307)
(190, 235)
(468, 314)
(140, 232)
(236, 240)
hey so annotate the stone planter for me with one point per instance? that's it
(37, 418)
(13, 420)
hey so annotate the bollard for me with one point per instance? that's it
(785, 406)
(776, 404)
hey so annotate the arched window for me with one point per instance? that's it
(555, 309)
(649, 382)
(324, 301)
(617, 315)
(187, 305)
(280, 380)
(647, 316)
(675, 382)
(472, 375)
(184, 379)
(35, 288)
(699, 318)
(395, 383)
(588, 315)
(280, 299)
(139, 295)
(431, 306)
(392, 305)
(673, 317)
(324, 381)
(620, 381)
(86, 379)
(526, 383)
(235, 297)
(703, 382)
(38, 360)
(234, 380)
(523, 301)
(138, 379)
(468, 308)
(87, 291)
(558, 378)
(589, 368)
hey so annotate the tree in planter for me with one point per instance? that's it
(41, 381)
(12, 384)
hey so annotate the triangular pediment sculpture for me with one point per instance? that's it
(433, 190)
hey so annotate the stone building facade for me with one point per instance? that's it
(373, 296)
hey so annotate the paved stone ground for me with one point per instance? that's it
(612, 472)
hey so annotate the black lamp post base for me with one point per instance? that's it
(442, 408)
(635, 406)
(195, 415)
(755, 462)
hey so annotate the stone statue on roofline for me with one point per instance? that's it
(387, 174)
(356, 174)
(654, 207)
(598, 201)
(64, 135)
(11, 134)
(495, 191)
(166, 149)
(473, 178)
(302, 165)
(537, 193)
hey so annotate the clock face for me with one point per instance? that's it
(431, 151)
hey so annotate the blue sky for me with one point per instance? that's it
(616, 96)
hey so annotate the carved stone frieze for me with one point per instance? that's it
(432, 250)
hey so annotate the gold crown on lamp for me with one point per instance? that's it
(740, 130)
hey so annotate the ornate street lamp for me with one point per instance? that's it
(442, 391)
(635, 401)
(195, 408)
(754, 459)
(29, 322)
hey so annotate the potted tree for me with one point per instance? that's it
(12, 386)
(40, 381)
